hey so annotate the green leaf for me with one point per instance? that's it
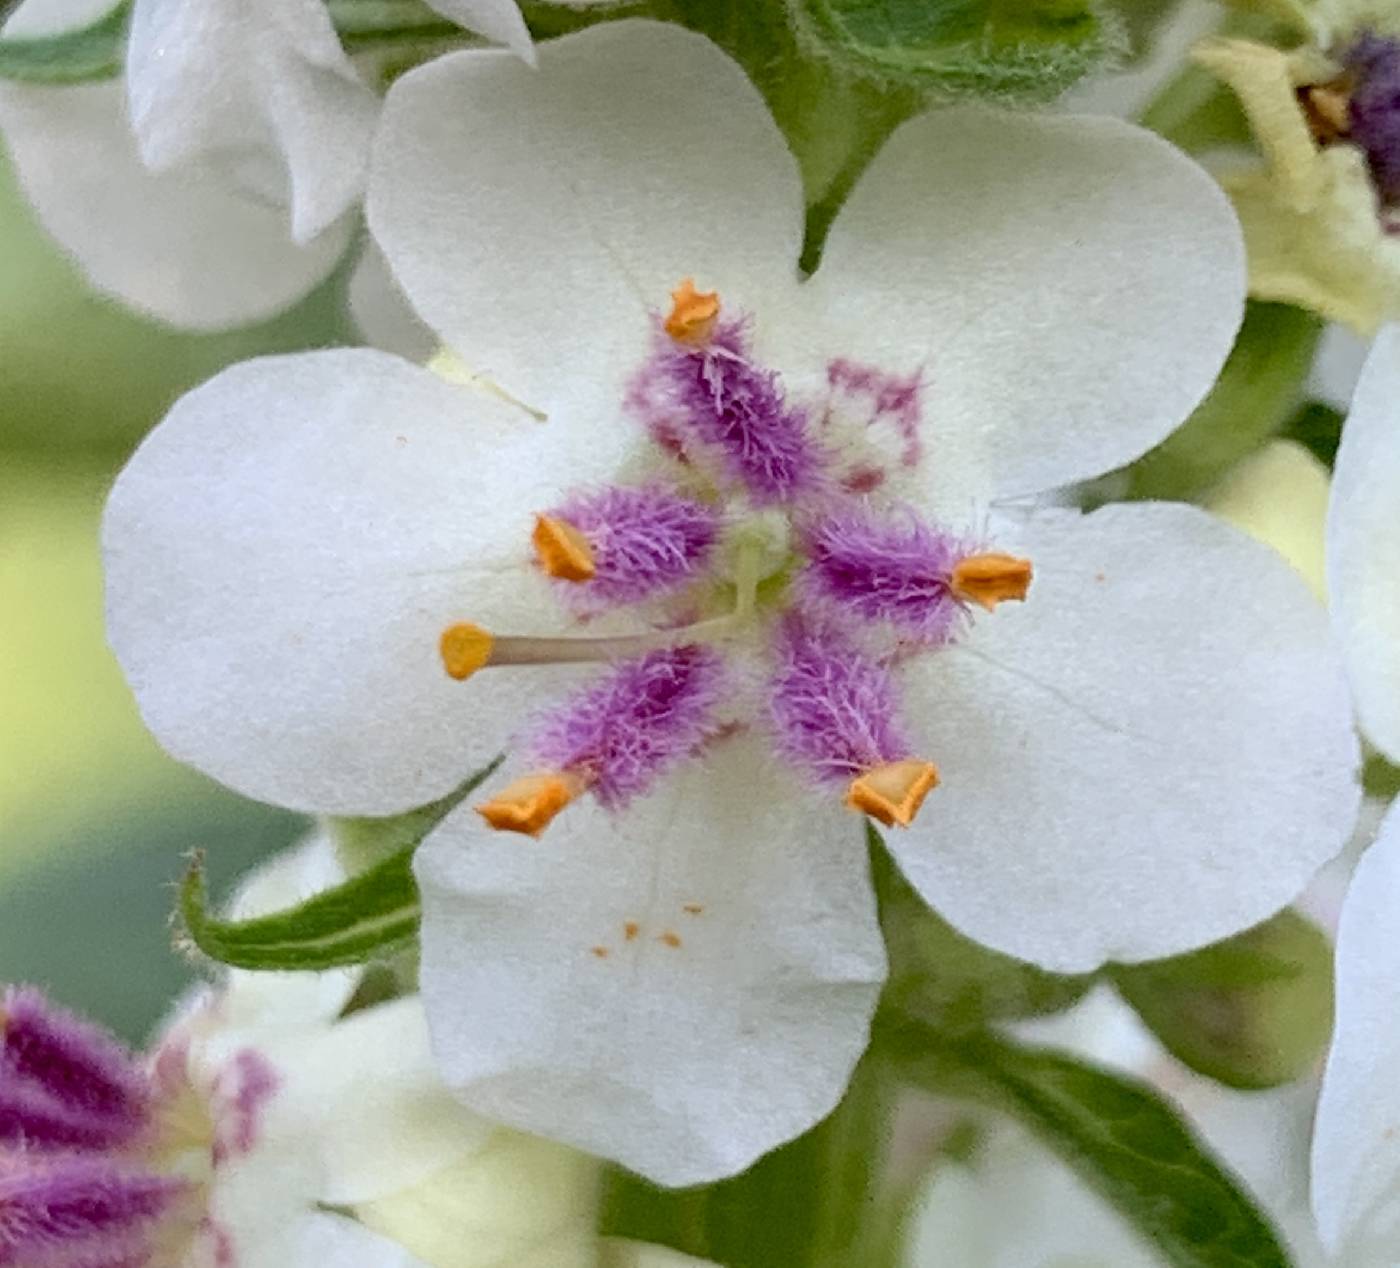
(94, 51)
(939, 976)
(1121, 1137)
(1250, 402)
(1253, 1011)
(1022, 49)
(369, 917)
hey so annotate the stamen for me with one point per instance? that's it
(834, 709)
(465, 648)
(563, 551)
(885, 569)
(64, 1081)
(693, 313)
(711, 396)
(991, 579)
(641, 543)
(623, 732)
(1373, 113)
(531, 802)
(893, 793)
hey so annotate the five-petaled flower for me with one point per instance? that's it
(723, 556)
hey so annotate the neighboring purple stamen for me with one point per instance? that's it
(646, 542)
(834, 709)
(716, 394)
(63, 1081)
(896, 570)
(1374, 112)
(72, 1211)
(628, 729)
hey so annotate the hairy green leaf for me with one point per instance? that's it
(1253, 1011)
(939, 976)
(1023, 49)
(370, 916)
(94, 51)
(1119, 1135)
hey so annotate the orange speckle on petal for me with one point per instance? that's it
(670, 939)
(630, 930)
(693, 313)
(600, 952)
(692, 909)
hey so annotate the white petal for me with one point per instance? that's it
(289, 999)
(555, 210)
(1152, 752)
(381, 312)
(285, 550)
(521, 1202)
(364, 1098)
(498, 20)
(320, 1238)
(1363, 544)
(1337, 367)
(1356, 1138)
(184, 247)
(51, 17)
(260, 89)
(1069, 285)
(682, 1062)
(1278, 495)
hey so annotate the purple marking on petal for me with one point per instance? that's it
(834, 709)
(628, 729)
(65, 1081)
(716, 395)
(646, 542)
(893, 399)
(894, 569)
(71, 1211)
(241, 1090)
(1374, 113)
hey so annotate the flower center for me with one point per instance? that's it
(773, 528)
(1362, 106)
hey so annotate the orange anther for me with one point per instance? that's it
(464, 648)
(693, 313)
(528, 804)
(672, 940)
(893, 793)
(990, 579)
(563, 551)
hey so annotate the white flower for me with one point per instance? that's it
(1363, 545)
(221, 181)
(1153, 750)
(1356, 1138)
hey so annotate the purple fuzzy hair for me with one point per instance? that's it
(628, 729)
(646, 542)
(64, 1081)
(895, 570)
(717, 395)
(834, 710)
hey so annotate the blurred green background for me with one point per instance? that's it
(94, 819)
